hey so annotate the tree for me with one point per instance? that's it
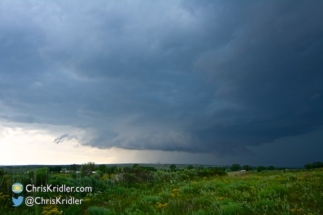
(313, 165)
(235, 167)
(271, 168)
(260, 168)
(111, 170)
(87, 168)
(172, 167)
(317, 164)
(102, 168)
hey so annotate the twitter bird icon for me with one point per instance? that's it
(18, 201)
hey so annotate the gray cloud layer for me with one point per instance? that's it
(194, 76)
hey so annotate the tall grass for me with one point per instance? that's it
(271, 192)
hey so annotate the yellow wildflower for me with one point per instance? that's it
(160, 205)
(174, 193)
(51, 210)
(86, 200)
(3, 196)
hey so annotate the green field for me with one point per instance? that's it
(186, 191)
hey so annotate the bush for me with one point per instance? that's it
(160, 176)
(191, 173)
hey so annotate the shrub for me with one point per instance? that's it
(181, 176)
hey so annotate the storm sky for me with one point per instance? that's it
(215, 82)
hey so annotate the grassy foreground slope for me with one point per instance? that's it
(267, 192)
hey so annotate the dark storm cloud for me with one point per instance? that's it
(194, 76)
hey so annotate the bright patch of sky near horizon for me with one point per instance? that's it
(26, 147)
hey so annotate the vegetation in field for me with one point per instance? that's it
(146, 190)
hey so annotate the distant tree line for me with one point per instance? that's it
(314, 165)
(237, 167)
